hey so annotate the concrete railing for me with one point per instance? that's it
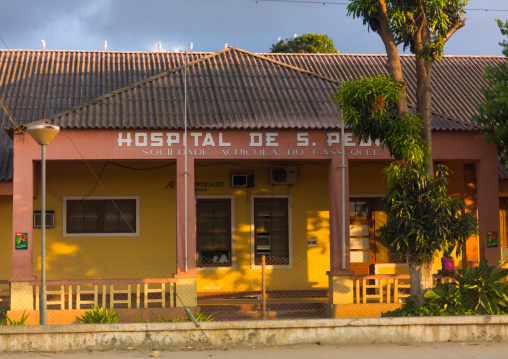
(383, 288)
(112, 293)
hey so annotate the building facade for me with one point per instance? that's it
(191, 175)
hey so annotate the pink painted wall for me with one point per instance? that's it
(290, 145)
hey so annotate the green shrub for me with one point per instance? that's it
(476, 289)
(429, 309)
(98, 315)
(9, 321)
(141, 320)
(200, 317)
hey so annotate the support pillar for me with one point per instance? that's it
(339, 263)
(186, 290)
(22, 221)
(488, 206)
(185, 266)
(340, 283)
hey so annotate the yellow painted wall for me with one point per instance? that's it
(366, 177)
(6, 238)
(150, 255)
(309, 206)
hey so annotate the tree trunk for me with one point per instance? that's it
(424, 102)
(423, 84)
(421, 278)
(393, 64)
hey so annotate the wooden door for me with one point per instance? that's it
(362, 235)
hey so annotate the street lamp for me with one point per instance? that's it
(43, 134)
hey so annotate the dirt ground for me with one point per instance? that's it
(487, 350)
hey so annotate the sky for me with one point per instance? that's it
(139, 25)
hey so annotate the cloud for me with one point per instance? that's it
(134, 25)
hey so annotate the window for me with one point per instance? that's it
(271, 230)
(101, 216)
(213, 232)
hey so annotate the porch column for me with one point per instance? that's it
(340, 283)
(488, 206)
(181, 226)
(22, 217)
(338, 264)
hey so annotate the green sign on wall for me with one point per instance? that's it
(21, 240)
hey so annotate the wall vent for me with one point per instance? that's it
(50, 219)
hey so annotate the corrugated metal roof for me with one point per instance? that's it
(455, 79)
(502, 170)
(40, 84)
(230, 89)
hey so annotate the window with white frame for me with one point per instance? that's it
(101, 216)
(213, 232)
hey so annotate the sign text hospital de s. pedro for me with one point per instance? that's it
(161, 144)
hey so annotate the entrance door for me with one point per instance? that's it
(362, 235)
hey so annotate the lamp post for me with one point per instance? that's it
(43, 134)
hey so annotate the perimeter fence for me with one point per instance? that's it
(146, 290)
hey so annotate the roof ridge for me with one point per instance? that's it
(299, 69)
(256, 53)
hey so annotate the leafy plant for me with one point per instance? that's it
(430, 309)
(493, 111)
(141, 320)
(9, 321)
(199, 316)
(476, 288)
(98, 315)
(169, 320)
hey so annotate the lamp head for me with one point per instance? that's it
(43, 133)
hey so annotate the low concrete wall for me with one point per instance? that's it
(282, 332)
(125, 315)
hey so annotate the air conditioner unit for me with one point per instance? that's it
(283, 175)
(242, 180)
(50, 219)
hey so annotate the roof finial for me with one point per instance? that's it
(159, 48)
(43, 44)
(105, 45)
(191, 46)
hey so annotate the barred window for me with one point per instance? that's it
(271, 230)
(213, 232)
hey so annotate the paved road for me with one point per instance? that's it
(488, 350)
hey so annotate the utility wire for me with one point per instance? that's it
(8, 113)
(346, 3)
(7, 47)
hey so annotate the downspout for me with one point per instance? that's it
(185, 154)
(343, 190)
